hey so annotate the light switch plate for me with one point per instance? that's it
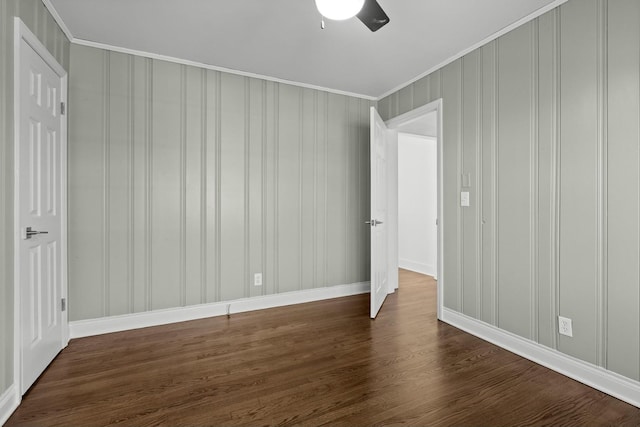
(464, 198)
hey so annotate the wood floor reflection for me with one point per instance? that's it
(322, 363)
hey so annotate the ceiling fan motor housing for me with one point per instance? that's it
(373, 16)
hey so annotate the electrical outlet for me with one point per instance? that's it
(564, 326)
(257, 279)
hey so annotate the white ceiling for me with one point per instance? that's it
(282, 39)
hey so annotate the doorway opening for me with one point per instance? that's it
(423, 123)
(418, 202)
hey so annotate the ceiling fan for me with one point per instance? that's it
(369, 12)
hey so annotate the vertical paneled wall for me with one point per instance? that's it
(619, 133)
(542, 126)
(41, 23)
(185, 182)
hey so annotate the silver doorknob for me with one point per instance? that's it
(373, 222)
(28, 232)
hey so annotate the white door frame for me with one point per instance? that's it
(22, 33)
(397, 122)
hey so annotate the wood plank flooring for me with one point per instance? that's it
(322, 363)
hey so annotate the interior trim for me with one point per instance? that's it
(522, 21)
(180, 61)
(56, 17)
(9, 402)
(481, 43)
(594, 376)
(394, 124)
(105, 325)
(22, 33)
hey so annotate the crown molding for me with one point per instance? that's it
(81, 42)
(492, 37)
(181, 61)
(58, 19)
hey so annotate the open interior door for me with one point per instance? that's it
(40, 247)
(379, 212)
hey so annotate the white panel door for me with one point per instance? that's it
(379, 210)
(39, 215)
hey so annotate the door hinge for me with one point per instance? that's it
(63, 304)
(62, 108)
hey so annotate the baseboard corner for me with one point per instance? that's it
(9, 402)
(105, 325)
(611, 383)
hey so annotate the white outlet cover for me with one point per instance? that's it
(565, 326)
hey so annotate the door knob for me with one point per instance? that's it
(374, 222)
(28, 232)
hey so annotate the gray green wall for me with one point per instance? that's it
(546, 121)
(37, 18)
(184, 182)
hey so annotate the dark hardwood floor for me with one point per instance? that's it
(323, 363)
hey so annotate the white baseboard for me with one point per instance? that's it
(9, 401)
(418, 267)
(594, 376)
(105, 325)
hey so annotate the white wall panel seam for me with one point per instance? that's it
(106, 178)
(555, 179)
(218, 173)
(276, 139)
(534, 215)
(247, 187)
(601, 281)
(363, 139)
(183, 186)
(315, 190)
(496, 187)
(478, 180)
(638, 237)
(130, 183)
(5, 283)
(493, 188)
(357, 215)
(326, 190)
(300, 184)
(149, 185)
(347, 130)
(460, 171)
(263, 207)
(204, 229)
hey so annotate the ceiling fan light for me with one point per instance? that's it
(339, 10)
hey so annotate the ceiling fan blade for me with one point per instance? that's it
(372, 15)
